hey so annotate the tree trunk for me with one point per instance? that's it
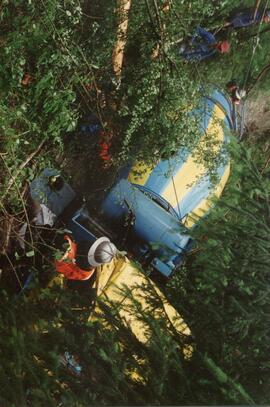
(118, 51)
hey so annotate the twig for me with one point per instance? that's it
(7, 232)
(161, 28)
(265, 165)
(15, 272)
(22, 165)
(22, 200)
(261, 32)
(260, 76)
(150, 16)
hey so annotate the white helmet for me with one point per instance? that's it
(102, 251)
(240, 94)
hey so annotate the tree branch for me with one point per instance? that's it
(22, 165)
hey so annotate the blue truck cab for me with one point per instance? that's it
(160, 204)
(150, 210)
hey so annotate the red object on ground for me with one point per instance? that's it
(67, 266)
(26, 79)
(223, 47)
(89, 86)
(104, 146)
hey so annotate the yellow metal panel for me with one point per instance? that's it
(206, 204)
(122, 273)
(140, 173)
(191, 170)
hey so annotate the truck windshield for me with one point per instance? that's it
(158, 199)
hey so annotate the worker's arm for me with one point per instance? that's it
(205, 35)
(197, 54)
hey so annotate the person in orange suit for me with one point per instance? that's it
(80, 260)
(104, 148)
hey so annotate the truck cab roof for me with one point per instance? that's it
(181, 182)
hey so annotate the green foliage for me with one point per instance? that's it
(155, 114)
(226, 292)
(42, 71)
(65, 47)
(116, 367)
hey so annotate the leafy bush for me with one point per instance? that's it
(55, 63)
(225, 288)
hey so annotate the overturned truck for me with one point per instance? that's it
(150, 210)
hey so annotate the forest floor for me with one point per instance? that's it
(258, 117)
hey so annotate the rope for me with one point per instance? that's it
(257, 40)
(242, 122)
(259, 77)
(175, 192)
(256, 43)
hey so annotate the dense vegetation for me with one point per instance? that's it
(56, 66)
(225, 289)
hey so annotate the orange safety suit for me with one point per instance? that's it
(104, 146)
(68, 267)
